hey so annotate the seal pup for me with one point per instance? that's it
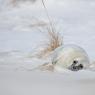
(67, 57)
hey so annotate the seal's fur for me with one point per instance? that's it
(64, 56)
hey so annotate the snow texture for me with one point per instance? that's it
(20, 36)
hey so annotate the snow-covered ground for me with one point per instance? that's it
(20, 36)
(38, 83)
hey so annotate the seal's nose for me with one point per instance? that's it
(76, 68)
(80, 66)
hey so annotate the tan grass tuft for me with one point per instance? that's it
(54, 40)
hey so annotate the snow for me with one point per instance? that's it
(19, 37)
(39, 83)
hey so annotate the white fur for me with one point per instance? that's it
(65, 55)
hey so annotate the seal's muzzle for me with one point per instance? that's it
(76, 66)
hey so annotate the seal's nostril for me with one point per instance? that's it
(74, 68)
(81, 66)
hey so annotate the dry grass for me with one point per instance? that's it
(46, 67)
(54, 40)
(15, 2)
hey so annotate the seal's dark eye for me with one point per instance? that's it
(75, 61)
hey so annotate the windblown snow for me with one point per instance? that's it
(21, 35)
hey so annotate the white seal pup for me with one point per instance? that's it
(67, 57)
(70, 57)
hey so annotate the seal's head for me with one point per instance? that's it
(70, 57)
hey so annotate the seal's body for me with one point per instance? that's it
(70, 57)
(67, 58)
